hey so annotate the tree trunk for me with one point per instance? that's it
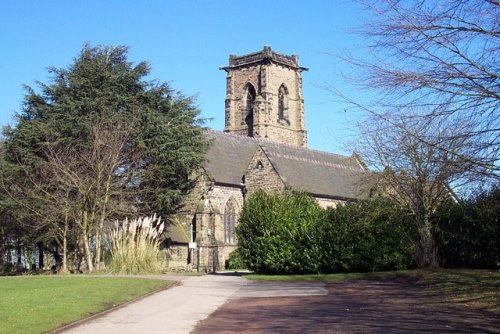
(2, 249)
(65, 245)
(19, 255)
(86, 242)
(100, 228)
(426, 251)
(40, 256)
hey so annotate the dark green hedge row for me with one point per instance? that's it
(369, 235)
(290, 234)
(468, 233)
(276, 233)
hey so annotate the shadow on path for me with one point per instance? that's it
(350, 307)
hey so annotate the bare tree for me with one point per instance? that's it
(99, 181)
(438, 61)
(37, 205)
(415, 174)
(78, 189)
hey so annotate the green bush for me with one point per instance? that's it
(289, 234)
(468, 233)
(235, 261)
(275, 233)
(370, 235)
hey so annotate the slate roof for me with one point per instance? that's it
(319, 173)
(228, 156)
(176, 233)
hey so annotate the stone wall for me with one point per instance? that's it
(267, 77)
(262, 175)
(212, 251)
(327, 202)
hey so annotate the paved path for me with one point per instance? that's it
(178, 309)
(175, 310)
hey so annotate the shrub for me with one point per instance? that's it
(134, 246)
(275, 233)
(235, 260)
(468, 233)
(369, 235)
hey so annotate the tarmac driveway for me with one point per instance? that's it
(349, 307)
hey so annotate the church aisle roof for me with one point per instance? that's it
(316, 172)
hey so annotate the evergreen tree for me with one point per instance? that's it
(94, 133)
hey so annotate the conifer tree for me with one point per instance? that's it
(98, 132)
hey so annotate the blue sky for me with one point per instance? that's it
(185, 42)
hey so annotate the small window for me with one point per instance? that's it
(259, 165)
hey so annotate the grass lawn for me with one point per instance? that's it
(474, 289)
(37, 304)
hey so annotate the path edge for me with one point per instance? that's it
(86, 319)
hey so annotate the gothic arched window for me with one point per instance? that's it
(249, 102)
(230, 212)
(283, 105)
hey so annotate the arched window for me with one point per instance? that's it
(249, 102)
(230, 212)
(282, 103)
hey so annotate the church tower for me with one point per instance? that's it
(264, 97)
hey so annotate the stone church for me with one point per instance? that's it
(263, 146)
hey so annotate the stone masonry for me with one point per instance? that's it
(261, 175)
(252, 97)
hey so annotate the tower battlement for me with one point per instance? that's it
(266, 55)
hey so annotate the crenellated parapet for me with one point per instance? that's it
(266, 55)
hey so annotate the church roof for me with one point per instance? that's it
(316, 172)
(228, 156)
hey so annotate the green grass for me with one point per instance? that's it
(474, 289)
(37, 304)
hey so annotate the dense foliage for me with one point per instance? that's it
(276, 234)
(371, 235)
(103, 87)
(290, 233)
(235, 261)
(468, 233)
(95, 144)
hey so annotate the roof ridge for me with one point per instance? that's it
(304, 148)
(276, 142)
(233, 135)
